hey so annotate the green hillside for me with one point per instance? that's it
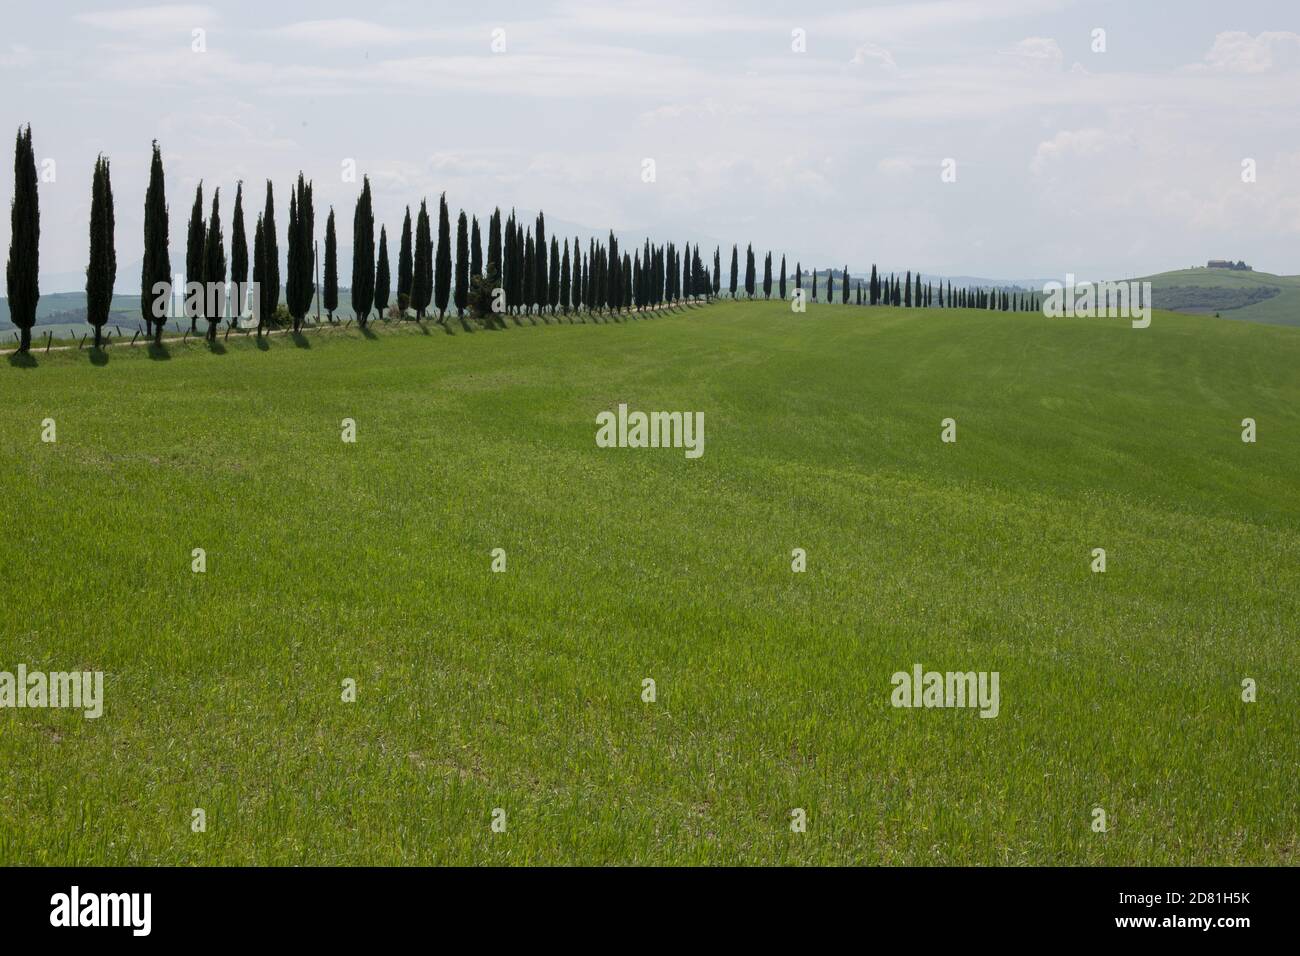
(522, 691)
(1250, 296)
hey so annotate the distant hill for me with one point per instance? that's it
(1232, 294)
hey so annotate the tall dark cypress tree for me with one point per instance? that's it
(798, 275)
(734, 267)
(750, 275)
(553, 277)
(259, 268)
(767, 276)
(301, 286)
(540, 274)
(382, 278)
(363, 255)
(563, 290)
(195, 238)
(214, 269)
(422, 263)
(494, 273)
(528, 272)
(157, 264)
(907, 294)
(102, 270)
(442, 268)
(238, 257)
(270, 287)
(830, 286)
(22, 268)
(717, 270)
(782, 278)
(404, 265)
(874, 289)
(330, 294)
(844, 293)
(475, 249)
(814, 291)
(577, 275)
(462, 265)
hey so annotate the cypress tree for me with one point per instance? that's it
(734, 267)
(102, 270)
(907, 295)
(577, 276)
(422, 263)
(259, 268)
(22, 268)
(214, 270)
(157, 264)
(462, 264)
(475, 249)
(404, 265)
(301, 287)
(750, 276)
(564, 279)
(717, 270)
(330, 296)
(553, 277)
(195, 238)
(442, 269)
(238, 257)
(844, 293)
(798, 275)
(767, 276)
(494, 247)
(814, 291)
(830, 286)
(875, 286)
(527, 272)
(783, 278)
(382, 278)
(270, 287)
(363, 255)
(540, 275)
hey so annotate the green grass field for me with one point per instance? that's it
(523, 690)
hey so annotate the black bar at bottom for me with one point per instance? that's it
(333, 906)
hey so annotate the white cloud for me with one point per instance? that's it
(1038, 50)
(345, 33)
(875, 55)
(1237, 52)
(164, 18)
(1065, 144)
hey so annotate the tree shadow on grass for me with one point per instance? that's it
(263, 343)
(22, 360)
(300, 340)
(215, 346)
(99, 356)
(368, 332)
(158, 352)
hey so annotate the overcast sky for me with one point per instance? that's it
(1122, 162)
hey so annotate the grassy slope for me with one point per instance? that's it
(522, 690)
(1281, 309)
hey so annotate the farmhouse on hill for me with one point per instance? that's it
(1228, 264)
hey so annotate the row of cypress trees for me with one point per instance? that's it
(522, 272)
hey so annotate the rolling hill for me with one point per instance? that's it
(1248, 296)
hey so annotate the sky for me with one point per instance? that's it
(996, 138)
